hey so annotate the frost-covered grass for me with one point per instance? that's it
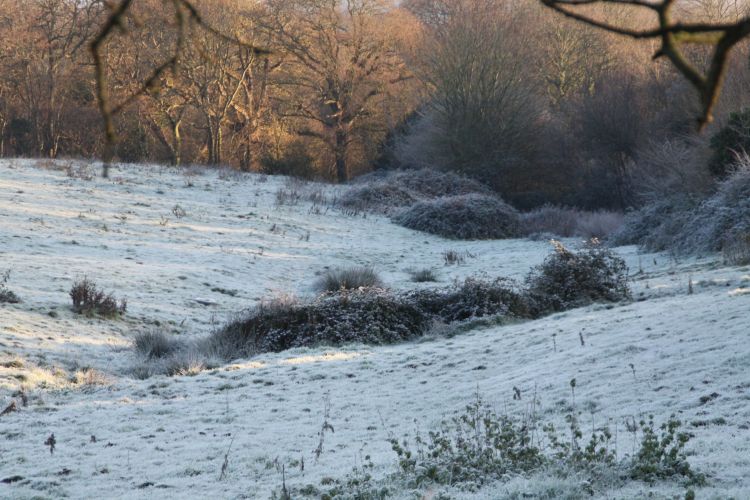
(117, 436)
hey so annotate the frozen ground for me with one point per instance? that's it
(189, 250)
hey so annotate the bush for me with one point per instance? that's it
(472, 449)
(729, 142)
(655, 226)
(569, 222)
(466, 217)
(430, 183)
(379, 197)
(89, 300)
(294, 160)
(475, 298)
(662, 456)
(385, 192)
(720, 220)
(569, 279)
(350, 278)
(370, 316)
(737, 253)
(7, 296)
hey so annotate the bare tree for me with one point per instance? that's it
(340, 65)
(673, 34)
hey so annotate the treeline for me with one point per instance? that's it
(543, 109)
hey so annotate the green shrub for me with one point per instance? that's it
(662, 456)
(471, 449)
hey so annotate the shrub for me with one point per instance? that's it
(663, 456)
(475, 298)
(350, 278)
(385, 192)
(430, 183)
(471, 449)
(568, 222)
(423, 276)
(7, 296)
(293, 160)
(370, 316)
(655, 226)
(720, 220)
(569, 279)
(729, 142)
(467, 217)
(89, 300)
(379, 197)
(737, 253)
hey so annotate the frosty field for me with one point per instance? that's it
(189, 250)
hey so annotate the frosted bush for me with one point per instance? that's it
(475, 298)
(385, 192)
(465, 217)
(722, 219)
(570, 279)
(370, 316)
(378, 197)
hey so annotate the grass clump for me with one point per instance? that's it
(155, 344)
(425, 275)
(370, 316)
(91, 301)
(349, 278)
(7, 296)
(570, 279)
(463, 217)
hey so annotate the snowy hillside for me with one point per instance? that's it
(188, 250)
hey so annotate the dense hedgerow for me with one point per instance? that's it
(569, 278)
(349, 278)
(464, 217)
(371, 316)
(376, 316)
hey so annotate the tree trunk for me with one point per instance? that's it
(342, 173)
